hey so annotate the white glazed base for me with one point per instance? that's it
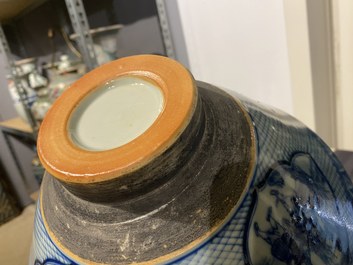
(115, 113)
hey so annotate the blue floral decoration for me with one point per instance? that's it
(296, 217)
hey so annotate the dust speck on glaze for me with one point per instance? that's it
(233, 182)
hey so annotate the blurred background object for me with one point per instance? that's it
(45, 47)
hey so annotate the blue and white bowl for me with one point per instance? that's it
(210, 178)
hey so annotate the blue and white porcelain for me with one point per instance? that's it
(293, 204)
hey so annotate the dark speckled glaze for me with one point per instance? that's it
(243, 184)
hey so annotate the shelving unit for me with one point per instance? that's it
(82, 33)
(83, 37)
(13, 71)
(81, 27)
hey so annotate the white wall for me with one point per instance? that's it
(343, 39)
(240, 45)
(297, 31)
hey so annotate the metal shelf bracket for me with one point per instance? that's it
(166, 34)
(81, 27)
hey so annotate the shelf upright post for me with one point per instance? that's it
(14, 73)
(164, 24)
(81, 27)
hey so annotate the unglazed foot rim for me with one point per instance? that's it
(56, 150)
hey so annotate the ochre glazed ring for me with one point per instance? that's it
(70, 163)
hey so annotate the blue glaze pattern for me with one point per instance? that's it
(275, 228)
(48, 262)
(297, 216)
(44, 250)
(279, 136)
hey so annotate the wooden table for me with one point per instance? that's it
(16, 124)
